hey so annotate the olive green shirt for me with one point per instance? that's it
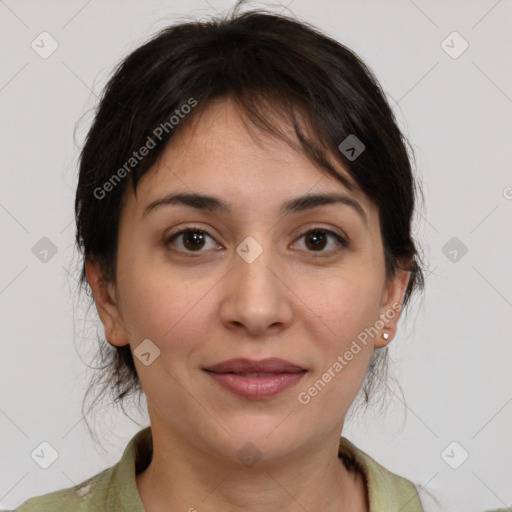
(115, 488)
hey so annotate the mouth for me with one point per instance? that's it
(257, 386)
(256, 380)
(248, 366)
(247, 374)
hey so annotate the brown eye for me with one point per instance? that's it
(192, 240)
(195, 240)
(316, 240)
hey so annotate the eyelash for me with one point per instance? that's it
(194, 229)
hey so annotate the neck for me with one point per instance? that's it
(184, 477)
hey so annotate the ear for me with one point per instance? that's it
(106, 304)
(391, 305)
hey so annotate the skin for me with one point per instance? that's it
(212, 306)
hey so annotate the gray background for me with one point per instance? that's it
(451, 356)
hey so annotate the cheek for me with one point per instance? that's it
(172, 312)
(342, 313)
(343, 306)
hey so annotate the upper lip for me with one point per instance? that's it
(244, 365)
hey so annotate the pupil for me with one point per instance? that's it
(316, 235)
(196, 236)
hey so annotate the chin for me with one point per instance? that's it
(254, 438)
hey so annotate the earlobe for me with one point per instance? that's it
(106, 303)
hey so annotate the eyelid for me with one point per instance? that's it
(169, 238)
(342, 239)
(320, 227)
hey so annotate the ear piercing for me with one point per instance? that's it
(385, 335)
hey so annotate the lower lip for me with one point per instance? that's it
(257, 387)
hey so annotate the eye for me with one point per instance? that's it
(192, 239)
(317, 239)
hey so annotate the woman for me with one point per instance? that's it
(244, 211)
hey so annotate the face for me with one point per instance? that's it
(248, 281)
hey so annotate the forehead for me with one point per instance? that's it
(256, 174)
(223, 151)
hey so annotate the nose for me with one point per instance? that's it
(257, 297)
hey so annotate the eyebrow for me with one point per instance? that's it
(297, 204)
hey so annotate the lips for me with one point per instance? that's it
(256, 380)
(252, 368)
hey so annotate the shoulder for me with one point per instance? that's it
(385, 488)
(114, 488)
(89, 495)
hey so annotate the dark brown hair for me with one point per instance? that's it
(272, 66)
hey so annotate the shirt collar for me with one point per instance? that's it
(384, 488)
